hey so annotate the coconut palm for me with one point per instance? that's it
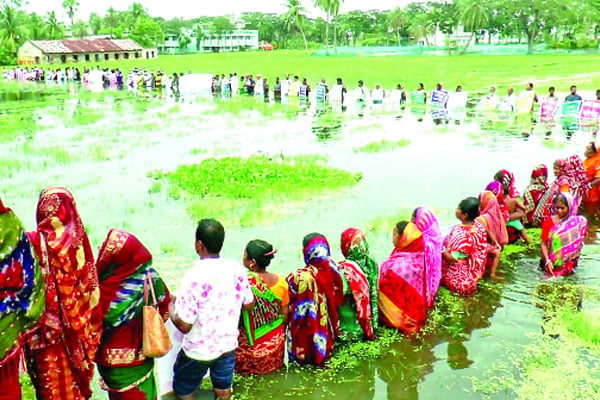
(136, 12)
(55, 29)
(335, 10)
(326, 6)
(12, 30)
(79, 30)
(70, 7)
(294, 18)
(111, 21)
(474, 15)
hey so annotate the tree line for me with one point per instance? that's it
(572, 24)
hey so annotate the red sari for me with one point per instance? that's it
(123, 265)
(469, 244)
(316, 295)
(403, 284)
(61, 352)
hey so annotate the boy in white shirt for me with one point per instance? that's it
(211, 296)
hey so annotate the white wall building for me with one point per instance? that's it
(236, 40)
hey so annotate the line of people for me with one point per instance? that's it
(64, 312)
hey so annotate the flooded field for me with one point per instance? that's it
(113, 150)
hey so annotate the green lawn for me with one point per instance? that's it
(474, 72)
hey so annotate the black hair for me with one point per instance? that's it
(260, 251)
(400, 226)
(530, 84)
(310, 237)
(212, 234)
(361, 82)
(551, 88)
(560, 198)
(339, 81)
(505, 185)
(421, 85)
(414, 214)
(593, 146)
(470, 207)
(573, 86)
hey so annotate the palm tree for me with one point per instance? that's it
(12, 31)
(294, 19)
(70, 6)
(397, 21)
(335, 10)
(474, 16)
(111, 20)
(326, 5)
(95, 23)
(55, 29)
(79, 30)
(136, 11)
(36, 27)
(184, 41)
(200, 36)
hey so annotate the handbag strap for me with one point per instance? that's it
(148, 281)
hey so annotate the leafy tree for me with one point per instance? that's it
(200, 36)
(95, 23)
(147, 32)
(79, 30)
(36, 27)
(474, 16)
(294, 19)
(111, 21)
(335, 10)
(55, 29)
(12, 31)
(137, 12)
(397, 22)
(221, 26)
(70, 7)
(184, 41)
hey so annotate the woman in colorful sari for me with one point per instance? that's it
(403, 282)
(465, 252)
(61, 352)
(591, 202)
(535, 191)
(562, 236)
(570, 177)
(262, 337)
(507, 179)
(425, 220)
(21, 299)
(491, 218)
(316, 295)
(124, 264)
(359, 278)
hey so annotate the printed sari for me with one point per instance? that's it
(262, 337)
(427, 223)
(571, 178)
(468, 245)
(123, 265)
(535, 191)
(316, 295)
(564, 239)
(359, 274)
(403, 284)
(492, 218)
(60, 353)
(21, 299)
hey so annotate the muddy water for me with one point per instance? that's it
(108, 161)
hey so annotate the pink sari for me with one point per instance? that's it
(427, 223)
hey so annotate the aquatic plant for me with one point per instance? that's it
(248, 190)
(382, 145)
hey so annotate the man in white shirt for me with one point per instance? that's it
(211, 297)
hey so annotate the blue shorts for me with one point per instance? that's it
(188, 373)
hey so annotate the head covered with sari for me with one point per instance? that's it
(536, 189)
(21, 286)
(316, 295)
(72, 294)
(426, 222)
(355, 248)
(507, 179)
(498, 190)
(489, 209)
(402, 282)
(565, 238)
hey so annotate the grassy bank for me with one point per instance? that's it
(474, 72)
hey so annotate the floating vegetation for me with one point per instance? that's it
(254, 189)
(382, 145)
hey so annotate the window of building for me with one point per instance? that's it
(97, 57)
(87, 57)
(106, 56)
(37, 60)
(116, 56)
(75, 57)
(126, 56)
(137, 54)
(63, 59)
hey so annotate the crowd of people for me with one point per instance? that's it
(64, 312)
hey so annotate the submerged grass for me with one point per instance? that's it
(382, 145)
(254, 189)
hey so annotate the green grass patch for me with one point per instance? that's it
(255, 189)
(16, 124)
(382, 145)
(9, 167)
(86, 116)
